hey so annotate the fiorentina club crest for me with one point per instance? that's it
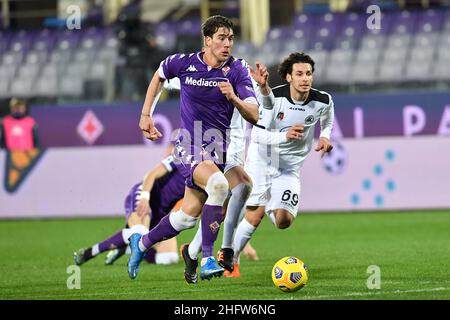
(225, 70)
(214, 226)
(90, 128)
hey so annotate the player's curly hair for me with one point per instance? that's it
(285, 67)
(213, 23)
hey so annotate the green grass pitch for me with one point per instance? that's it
(412, 250)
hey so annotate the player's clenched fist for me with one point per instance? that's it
(227, 90)
(295, 132)
(148, 128)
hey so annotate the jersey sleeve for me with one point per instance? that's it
(243, 85)
(266, 137)
(172, 65)
(267, 101)
(169, 164)
(326, 120)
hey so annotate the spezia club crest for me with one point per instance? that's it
(309, 119)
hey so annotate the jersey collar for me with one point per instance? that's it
(226, 62)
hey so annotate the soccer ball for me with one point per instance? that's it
(289, 274)
(335, 161)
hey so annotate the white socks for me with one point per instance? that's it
(243, 234)
(127, 232)
(239, 196)
(196, 244)
(95, 250)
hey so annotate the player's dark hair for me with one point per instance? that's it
(213, 23)
(285, 67)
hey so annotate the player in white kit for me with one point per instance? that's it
(274, 158)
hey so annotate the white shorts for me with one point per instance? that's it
(273, 188)
(235, 153)
(234, 160)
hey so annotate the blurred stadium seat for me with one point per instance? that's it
(412, 45)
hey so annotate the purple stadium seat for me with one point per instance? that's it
(297, 41)
(93, 38)
(330, 21)
(305, 21)
(189, 26)
(353, 25)
(276, 38)
(68, 39)
(323, 39)
(446, 20)
(325, 31)
(21, 41)
(45, 40)
(279, 33)
(429, 21)
(166, 35)
(353, 28)
(403, 22)
(5, 38)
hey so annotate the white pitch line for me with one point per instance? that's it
(351, 294)
(362, 294)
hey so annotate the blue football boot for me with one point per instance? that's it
(136, 255)
(210, 268)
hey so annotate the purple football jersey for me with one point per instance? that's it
(202, 105)
(166, 192)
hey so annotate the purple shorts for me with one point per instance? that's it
(132, 201)
(188, 162)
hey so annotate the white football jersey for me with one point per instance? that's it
(238, 127)
(278, 114)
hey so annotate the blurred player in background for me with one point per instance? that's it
(146, 204)
(18, 130)
(208, 82)
(274, 161)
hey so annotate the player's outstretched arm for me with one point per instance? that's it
(247, 109)
(151, 98)
(149, 181)
(261, 75)
(326, 125)
(266, 137)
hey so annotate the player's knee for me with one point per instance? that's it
(181, 221)
(217, 189)
(283, 224)
(283, 219)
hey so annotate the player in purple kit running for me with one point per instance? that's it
(213, 83)
(146, 204)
